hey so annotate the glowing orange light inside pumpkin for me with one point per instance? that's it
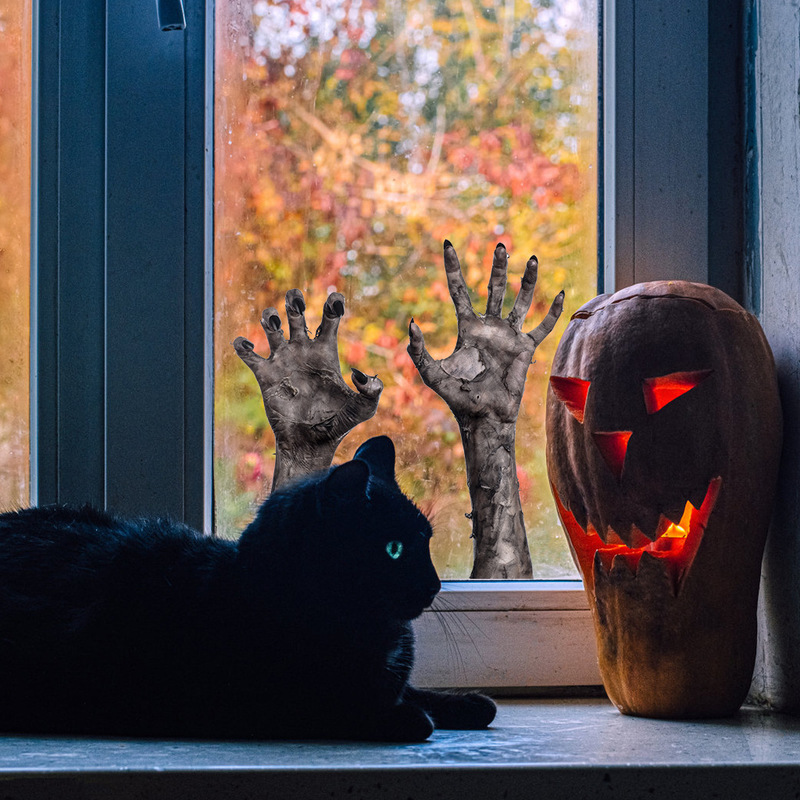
(675, 544)
(572, 392)
(613, 445)
(674, 536)
(660, 391)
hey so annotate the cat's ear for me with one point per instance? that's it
(347, 481)
(378, 454)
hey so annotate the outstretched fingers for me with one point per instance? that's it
(525, 297)
(539, 333)
(296, 314)
(429, 370)
(332, 313)
(271, 323)
(497, 281)
(456, 283)
(370, 386)
(244, 349)
(360, 405)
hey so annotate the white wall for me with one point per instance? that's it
(774, 232)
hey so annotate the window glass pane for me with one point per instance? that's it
(352, 138)
(15, 202)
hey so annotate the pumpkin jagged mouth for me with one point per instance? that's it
(675, 545)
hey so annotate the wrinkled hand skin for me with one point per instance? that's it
(482, 382)
(309, 406)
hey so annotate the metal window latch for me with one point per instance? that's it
(170, 15)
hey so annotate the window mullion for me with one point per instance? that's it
(199, 248)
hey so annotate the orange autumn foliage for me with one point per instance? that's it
(345, 155)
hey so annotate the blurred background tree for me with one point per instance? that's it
(15, 204)
(352, 138)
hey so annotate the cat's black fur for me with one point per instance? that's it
(298, 630)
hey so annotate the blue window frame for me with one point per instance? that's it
(121, 384)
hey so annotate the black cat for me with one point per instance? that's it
(298, 630)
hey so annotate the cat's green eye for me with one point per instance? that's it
(394, 549)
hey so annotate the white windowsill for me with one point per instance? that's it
(514, 636)
(567, 595)
(552, 749)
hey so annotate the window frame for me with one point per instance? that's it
(109, 390)
(120, 222)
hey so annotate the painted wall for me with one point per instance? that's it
(774, 264)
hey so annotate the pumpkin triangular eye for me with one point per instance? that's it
(660, 391)
(613, 445)
(572, 393)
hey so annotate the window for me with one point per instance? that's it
(121, 235)
(352, 138)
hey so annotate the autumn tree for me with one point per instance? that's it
(352, 138)
(15, 200)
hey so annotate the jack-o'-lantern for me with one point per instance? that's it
(664, 433)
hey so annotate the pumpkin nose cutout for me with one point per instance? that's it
(612, 446)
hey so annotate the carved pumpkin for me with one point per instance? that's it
(664, 432)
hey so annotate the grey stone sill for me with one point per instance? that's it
(536, 748)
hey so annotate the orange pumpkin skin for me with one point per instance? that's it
(661, 394)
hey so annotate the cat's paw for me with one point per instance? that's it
(402, 723)
(471, 711)
(453, 710)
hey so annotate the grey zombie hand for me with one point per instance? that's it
(482, 382)
(485, 374)
(308, 404)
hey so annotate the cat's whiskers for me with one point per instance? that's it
(455, 659)
(459, 616)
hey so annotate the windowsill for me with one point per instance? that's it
(505, 635)
(536, 748)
